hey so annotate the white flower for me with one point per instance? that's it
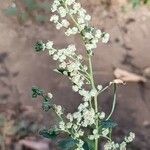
(69, 125)
(95, 135)
(108, 146)
(99, 87)
(50, 95)
(63, 65)
(65, 23)
(123, 146)
(80, 20)
(98, 34)
(90, 46)
(52, 51)
(55, 5)
(93, 92)
(105, 132)
(76, 6)
(62, 125)
(62, 11)
(89, 117)
(70, 117)
(102, 115)
(54, 18)
(74, 30)
(55, 57)
(75, 88)
(71, 48)
(49, 45)
(88, 35)
(69, 2)
(130, 138)
(88, 17)
(68, 32)
(105, 38)
(58, 109)
(58, 26)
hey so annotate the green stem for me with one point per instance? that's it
(114, 101)
(95, 98)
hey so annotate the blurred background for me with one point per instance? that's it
(127, 56)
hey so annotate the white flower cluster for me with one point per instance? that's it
(58, 110)
(85, 116)
(122, 146)
(70, 64)
(95, 135)
(81, 19)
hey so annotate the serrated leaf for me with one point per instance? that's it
(108, 124)
(67, 144)
(49, 134)
(11, 11)
(36, 91)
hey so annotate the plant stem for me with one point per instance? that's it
(114, 101)
(95, 98)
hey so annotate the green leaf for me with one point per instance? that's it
(108, 124)
(11, 11)
(89, 144)
(46, 105)
(86, 146)
(39, 46)
(67, 144)
(36, 91)
(52, 134)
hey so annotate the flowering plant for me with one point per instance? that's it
(86, 127)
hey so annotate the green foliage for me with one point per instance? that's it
(36, 91)
(108, 124)
(39, 46)
(67, 144)
(52, 134)
(46, 103)
(89, 144)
